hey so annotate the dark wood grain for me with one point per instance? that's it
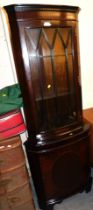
(46, 53)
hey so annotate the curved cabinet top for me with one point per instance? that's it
(25, 12)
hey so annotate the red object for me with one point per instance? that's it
(11, 124)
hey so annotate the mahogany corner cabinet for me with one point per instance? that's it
(46, 53)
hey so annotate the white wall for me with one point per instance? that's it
(6, 73)
(86, 51)
(7, 69)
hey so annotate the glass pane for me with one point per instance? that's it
(52, 70)
(61, 77)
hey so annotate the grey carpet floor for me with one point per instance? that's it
(79, 201)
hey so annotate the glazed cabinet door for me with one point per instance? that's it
(51, 71)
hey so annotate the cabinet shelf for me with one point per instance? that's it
(55, 96)
(49, 56)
